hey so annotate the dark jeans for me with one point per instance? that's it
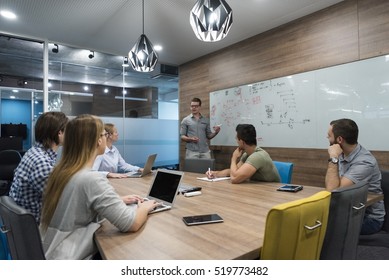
(370, 226)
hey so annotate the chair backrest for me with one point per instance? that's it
(199, 165)
(21, 230)
(385, 190)
(285, 169)
(9, 160)
(295, 230)
(347, 209)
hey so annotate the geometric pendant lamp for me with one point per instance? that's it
(211, 20)
(142, 56)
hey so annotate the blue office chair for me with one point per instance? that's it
(4, 252)
(285, 169)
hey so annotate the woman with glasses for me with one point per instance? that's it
(76, 197)
(111, 163)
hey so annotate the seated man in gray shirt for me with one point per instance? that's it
(350, 163)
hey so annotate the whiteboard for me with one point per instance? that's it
(295, 111)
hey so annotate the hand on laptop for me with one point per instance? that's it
(149, 204)
(130, 199)
(117, 175)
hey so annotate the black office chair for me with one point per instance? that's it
(9, 160)
(380, 238)
(199, 165)
(21, 230)
(347, 209)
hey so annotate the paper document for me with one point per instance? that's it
(214, 179)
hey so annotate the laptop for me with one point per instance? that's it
(164, 188)
(146, 170)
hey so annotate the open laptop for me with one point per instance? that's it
(164, 188)
(146, 169)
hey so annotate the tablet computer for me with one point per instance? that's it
(202, 219)
(290, 188)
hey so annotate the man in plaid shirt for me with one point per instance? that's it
(31, 174)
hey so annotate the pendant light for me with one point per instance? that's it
(211, 20)
(142, 56)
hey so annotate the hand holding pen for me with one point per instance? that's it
(210, 174)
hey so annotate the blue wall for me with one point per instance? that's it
(18, 111)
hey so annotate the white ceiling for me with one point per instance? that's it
(113, 26)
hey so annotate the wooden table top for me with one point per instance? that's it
(243, 207)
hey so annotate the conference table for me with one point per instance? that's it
(165, 236)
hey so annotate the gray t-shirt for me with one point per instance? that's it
(87, 197)
(361, 165)
(190, 126)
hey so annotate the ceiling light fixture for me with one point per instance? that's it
(55, 49)
(7, 14)
(92, 54)
(211, 20)
(22, 83)
(125, 62)
(142, 56)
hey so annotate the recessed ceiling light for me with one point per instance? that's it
(7, 14)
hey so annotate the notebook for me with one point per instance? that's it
(164, 188)
(146, 170)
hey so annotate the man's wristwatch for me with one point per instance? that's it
(333, 160)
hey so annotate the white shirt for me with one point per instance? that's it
(112, 162)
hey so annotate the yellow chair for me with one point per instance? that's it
(295, 230)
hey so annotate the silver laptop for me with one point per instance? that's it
(164, 188)
(146, 170)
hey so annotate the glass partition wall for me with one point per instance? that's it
(143, 106)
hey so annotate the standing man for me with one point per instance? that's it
(196, 131)
(350, 163)
(248, 162)
(33, 170)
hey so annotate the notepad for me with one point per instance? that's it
(214, 179)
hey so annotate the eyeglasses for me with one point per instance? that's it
(194, 106)
(104, 134)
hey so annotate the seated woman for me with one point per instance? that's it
(76, 197)
(111, 163)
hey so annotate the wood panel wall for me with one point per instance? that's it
(349, 31)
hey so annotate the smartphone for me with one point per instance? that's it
(290, 188)
(202, 219)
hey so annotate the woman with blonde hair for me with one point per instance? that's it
(76, 197)
(111, 163)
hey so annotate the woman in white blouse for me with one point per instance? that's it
(111, 163)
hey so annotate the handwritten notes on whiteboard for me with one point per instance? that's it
(295, 111)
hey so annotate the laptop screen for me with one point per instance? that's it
(165, 185)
